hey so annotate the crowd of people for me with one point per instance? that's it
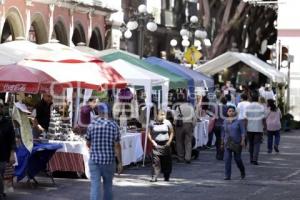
(238, 118)
(242, 118)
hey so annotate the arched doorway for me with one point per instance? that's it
(13, 26)
(38, 32)
(60, 33)
(78, 34)
(96, 40)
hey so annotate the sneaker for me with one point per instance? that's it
(243, 175)
(188, 162)
(276, 149)
(269, 151)
(227, 178)
(154, 179)
(254, 163)
(166, 177)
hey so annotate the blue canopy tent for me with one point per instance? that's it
(191, 83)
(195, 79)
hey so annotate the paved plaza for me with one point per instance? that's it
(277, 178)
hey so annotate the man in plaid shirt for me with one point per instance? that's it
(103, 139)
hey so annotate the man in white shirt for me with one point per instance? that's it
(269, 94)
(255, 121)
(241, 107)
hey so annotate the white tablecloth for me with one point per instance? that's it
(131, 143)
(201, 133)
(132, 149)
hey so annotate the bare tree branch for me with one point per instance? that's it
(227, 12)
(239, 11)
(212, 3)
(224, 29)
(206, 18)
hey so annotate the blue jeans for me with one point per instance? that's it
(106, 172)
(271, 135)
(238, 161)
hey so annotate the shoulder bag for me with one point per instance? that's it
(230, 144)
(179, 121)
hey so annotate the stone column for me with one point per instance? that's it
(28, 19)
(90, 27)
(2, 19)
(71, 31)
(51, 18)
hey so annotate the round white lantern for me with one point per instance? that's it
(173, 42)
(127, 34)
(132, 25)
(197, 43)
(194, 19)
(151, 26)
(200, 34)
(184, 32)
(185, 43)
(142, 8)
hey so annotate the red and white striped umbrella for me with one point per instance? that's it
(18, 78)
(95, 75)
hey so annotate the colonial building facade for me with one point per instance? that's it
(68, 21)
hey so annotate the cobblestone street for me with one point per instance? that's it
(277, 177)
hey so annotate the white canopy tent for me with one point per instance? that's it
(229, 59)
(139, 77)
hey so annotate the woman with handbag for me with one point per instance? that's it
(233, 140)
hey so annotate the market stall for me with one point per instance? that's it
(229, 59)
(46, 64)
(31, 163)
(136, 76)
(74, 155)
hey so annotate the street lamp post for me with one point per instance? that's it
(141, 20)
(192, 33)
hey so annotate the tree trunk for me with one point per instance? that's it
(224, 29)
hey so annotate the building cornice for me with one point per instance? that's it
(79, 6)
